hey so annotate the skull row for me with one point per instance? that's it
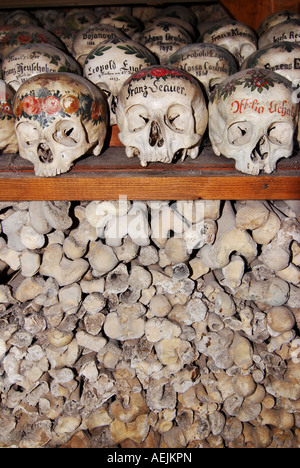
(162, 116)
(160, 110)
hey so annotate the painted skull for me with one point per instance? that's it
(287, 31)
(282, 58)
(252, 119)
(275, 18)
(161, 114)
(59, 117)
(79, 18)
(209, 63)
(163, 38)
(130, 25)
(90, 37)
(8, 141)
(110, 64)
(28, 34)
(33, 59)
(236, 37)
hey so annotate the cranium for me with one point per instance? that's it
(47, 17)
(161, 114)
(27, 34)
(181, 12)
(65, 35)
(282, 58)
(163, 38)
(286, 31)
(79, 18)
(234, 36)
(127, 23)
(33, 59)
(275, 18)
(90, 37)
(59, 117)
(8, 141)
(209, 63)
(19, 17)
(111, 63)
(252, 119)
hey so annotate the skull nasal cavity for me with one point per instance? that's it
(155, 137)
(44, 153)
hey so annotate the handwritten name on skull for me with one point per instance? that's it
(281, 108)
(157, 87)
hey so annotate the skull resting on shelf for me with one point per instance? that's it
(252, 119)
(8, 142)
(58, 118)
(161, 114)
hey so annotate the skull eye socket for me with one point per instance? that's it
(178, 117)
(28, 134)
(240, 133)
(67, 133)
(247, 49)
(214, 82)
(137, 117)
(280, 133)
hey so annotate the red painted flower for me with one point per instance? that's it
(42, 38)
(6, 108)
(51, 105)
(32, 105)
(175, 73)
(258, 82)
(140, 74)
(24, 38)
(158, 72)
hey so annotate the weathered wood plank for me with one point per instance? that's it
(253, 13)
(112, 175)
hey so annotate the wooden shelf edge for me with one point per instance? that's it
(152, 188)
(113, 175)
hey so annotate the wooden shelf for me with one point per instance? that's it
(112, 175)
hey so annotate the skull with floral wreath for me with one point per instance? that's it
(58, 118)
(252, 119)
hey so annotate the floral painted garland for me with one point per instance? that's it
(42, 106)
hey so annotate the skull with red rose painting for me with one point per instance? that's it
(8, 141)
(252, 119)
(161, 114)
(59, 117)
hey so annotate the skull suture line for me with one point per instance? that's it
(59, 117)
(161, 114)
(252, 119)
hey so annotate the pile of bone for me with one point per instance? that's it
(152, 324)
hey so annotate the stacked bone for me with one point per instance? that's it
(150, 324)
